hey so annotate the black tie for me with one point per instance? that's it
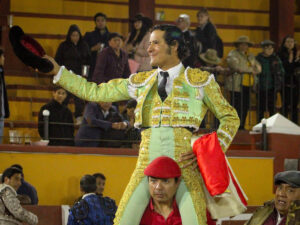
(162, 86)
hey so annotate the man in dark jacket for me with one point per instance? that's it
(97, 39)
(112, 62)
(26, 189)
(284, 209)
(59, 134)
(100, 122)
(4, 109)
(269, 81)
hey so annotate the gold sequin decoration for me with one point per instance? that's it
(137, 176)
(191, 177)
(141, 77)
(197, 77)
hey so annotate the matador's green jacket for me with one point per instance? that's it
(193, 93)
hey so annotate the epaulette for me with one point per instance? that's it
(80, 210)
(198, 78)
(141, 78)
(108, 205)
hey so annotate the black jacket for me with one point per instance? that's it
(61, 114)
(73, 56)
(209, 39)
(192, 50)
(6, 106)
(92, 38)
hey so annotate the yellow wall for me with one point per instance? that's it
(56, 176)
(56, 26)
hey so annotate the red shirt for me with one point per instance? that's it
(151, 217)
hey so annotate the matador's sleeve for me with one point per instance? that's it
(13, 205)
(226, 114)
(113, 91)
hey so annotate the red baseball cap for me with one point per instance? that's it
(163, 167)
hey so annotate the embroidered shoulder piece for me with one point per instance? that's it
(140, 79)
(198, 78)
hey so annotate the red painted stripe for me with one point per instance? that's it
(24, 73)
(210, 8)
(28, 99)
(68, 150)
(29, 87)
(100, 2)
(70, 17)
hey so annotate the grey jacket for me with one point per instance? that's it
(11, 212)
(238, 61)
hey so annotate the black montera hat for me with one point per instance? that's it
(28, 50)
(288, 177)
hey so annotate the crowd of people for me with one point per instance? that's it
(100, 56)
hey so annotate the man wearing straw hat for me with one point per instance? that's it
(239, 84)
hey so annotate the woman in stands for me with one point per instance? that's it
(290, 58)
(137, 42)
(74, 53)
(206, 34)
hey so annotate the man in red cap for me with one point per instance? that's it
(163, 179)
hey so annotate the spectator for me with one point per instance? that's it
(11, 212)
(4, 109)
(112, 62)
(100, 183)
(283, 209)
(206, 33)
(291, 62)
(26, 188)
(101, 121)
(269, 81)
(133, 135)
(244, 66)
(74, 53)
(97, 39)
(183, 22)
(137, 42)
(163, 180)
(209, 61)
(92, 208)
(59, 134)
(122, 108)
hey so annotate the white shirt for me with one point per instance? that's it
(84, 196)
(173, 73)
(105, 113)
(279, 218)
